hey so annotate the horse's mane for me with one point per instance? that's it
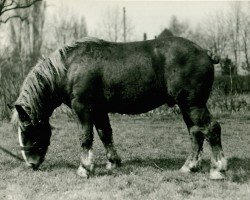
(45, 74)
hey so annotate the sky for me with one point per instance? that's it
(149, 17)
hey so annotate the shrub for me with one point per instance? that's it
(221, 102)
(240, 84)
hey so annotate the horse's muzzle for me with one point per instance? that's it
(34, 166)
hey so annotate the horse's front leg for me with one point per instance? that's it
(103, 127)
(86, 139)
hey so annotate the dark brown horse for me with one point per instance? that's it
(95, 77)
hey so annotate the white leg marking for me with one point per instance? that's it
(91, 156)
(82, 172)
(91, 160)
(87, 158)
(216, 175)
(87, 164)
(21, 145)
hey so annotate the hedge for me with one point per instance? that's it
(240, 84)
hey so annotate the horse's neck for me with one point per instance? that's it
(44, 104)
(42, 88)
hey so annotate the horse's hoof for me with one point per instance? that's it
(82, 172)
(216, 175)
(111, 166)
(185, 169)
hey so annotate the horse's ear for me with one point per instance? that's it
(23, 116)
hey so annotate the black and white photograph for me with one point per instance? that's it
(124, 100)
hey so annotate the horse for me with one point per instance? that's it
(95, 77)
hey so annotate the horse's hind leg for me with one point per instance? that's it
(86, 138)
(197, 138)
(218, 161)
(103, 127)
(203, 126)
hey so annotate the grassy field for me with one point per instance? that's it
(152, 151)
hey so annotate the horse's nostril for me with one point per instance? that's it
(34, 166)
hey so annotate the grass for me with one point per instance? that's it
(152, 150)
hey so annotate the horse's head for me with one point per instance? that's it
(34, 138)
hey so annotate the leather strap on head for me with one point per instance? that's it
(32, 148)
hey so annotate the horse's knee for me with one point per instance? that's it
(196, 135)
(87, 136)
(76, 105)
(214, 127)
(213, 133)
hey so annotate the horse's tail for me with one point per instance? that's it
(213, 57)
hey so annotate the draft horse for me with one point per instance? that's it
(95, 77)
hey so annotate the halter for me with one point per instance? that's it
(33, 147)
(11, 154)
(34, 123)
(30, 148)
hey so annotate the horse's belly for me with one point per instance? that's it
(140, 103)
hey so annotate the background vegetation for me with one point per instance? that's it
(28, 37)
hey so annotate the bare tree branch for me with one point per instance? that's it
(11, 3)
(18, 6)
(14, 16)
(6, 6)
(2, 2)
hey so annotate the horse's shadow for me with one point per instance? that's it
(59, 164)
(239, 168)
(128, 166)
(160, 163)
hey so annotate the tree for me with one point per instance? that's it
(178, 28)
(37, 19)
(24, 48)
(197, 35)
(112, 25)
(26, 37)
(227, 67)
(64, 28)
(234, 24)
(246, 39)
(7, 6)
(215, 31)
